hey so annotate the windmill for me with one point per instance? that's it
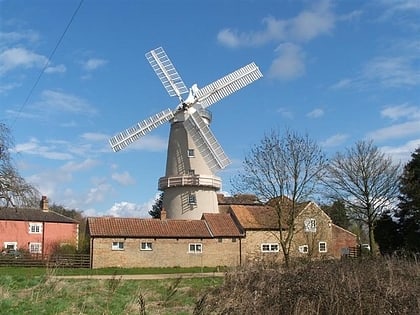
(194, 155)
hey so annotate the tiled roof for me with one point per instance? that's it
(134, 227)
(221, 225)
(33, 215)
(256, 217)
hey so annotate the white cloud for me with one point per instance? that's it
(335, 140)
(409, 128)
(63, 102)
(98, 193)
(286, 113)
(316, 113)
(306, 26)
(149, 143)
(7, 38)
(20, 57)
(92, 136)
(402, 153)
(94, 63)
(79, 166)
(289, 64)
(393, 71)
(34, 147)
(401, 111)
(56, 69)
(123, 178)
(129, 209)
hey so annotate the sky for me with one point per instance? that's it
(73, 74)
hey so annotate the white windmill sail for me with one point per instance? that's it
(227, 85)
(128, 136)
(206, 142)
(166, 72)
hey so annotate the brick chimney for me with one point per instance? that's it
(44, 203)
(163, 214)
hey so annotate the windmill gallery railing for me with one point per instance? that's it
(190, 180)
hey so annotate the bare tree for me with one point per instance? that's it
(366, 180)
(285, 171)
(14, 190)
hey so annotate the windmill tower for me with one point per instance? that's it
(194, 156)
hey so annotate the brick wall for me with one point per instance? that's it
(164, 253)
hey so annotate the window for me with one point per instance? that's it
(190, 153)
(117, 245)
(310, 225)
(191, 172)
(35, 228)
(146, 246)
(269, 247)
(192, 199)
(303, 249)
(35, 248)
(10, 245)
(195, 248)
(322, 247)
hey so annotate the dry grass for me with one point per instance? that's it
(369, 286)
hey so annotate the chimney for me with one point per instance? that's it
(163, 214)
(44, 203)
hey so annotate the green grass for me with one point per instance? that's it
(35, 291)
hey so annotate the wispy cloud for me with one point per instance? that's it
(34, 147)
(403, 152)
(10, 38)
(123, 178)
(316, 113)
(335, 140)
(410, 115)
(306, 26)
(13, 58)
(63, 102)
(93, 64)
(289, 63)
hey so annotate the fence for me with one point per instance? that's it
(57, 260)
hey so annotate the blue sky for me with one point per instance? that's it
(341, 71)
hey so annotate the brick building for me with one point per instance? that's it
(36, 231)
(243, 231)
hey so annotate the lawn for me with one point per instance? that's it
(37, 291)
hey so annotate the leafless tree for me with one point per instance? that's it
(14, 190)
(284, 170)
(366, 180)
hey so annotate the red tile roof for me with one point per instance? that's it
(256, 217)
(212, 225)
(221, 225)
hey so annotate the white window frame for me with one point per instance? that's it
(310, 225)
(304, 249)
(270, 247)
(14, 244)
(146, 246)
(322, 244)
(35, 228)
(190, 153)
(35, 248)
(195, 248)
(119, 245)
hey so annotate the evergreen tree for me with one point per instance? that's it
(338, 213)
(157, 207)
(409, 205)
(387, 234)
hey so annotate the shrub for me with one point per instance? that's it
(367, 286)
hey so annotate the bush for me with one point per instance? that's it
(367, 286)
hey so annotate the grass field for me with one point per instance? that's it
(362, 286)
(37, 291)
